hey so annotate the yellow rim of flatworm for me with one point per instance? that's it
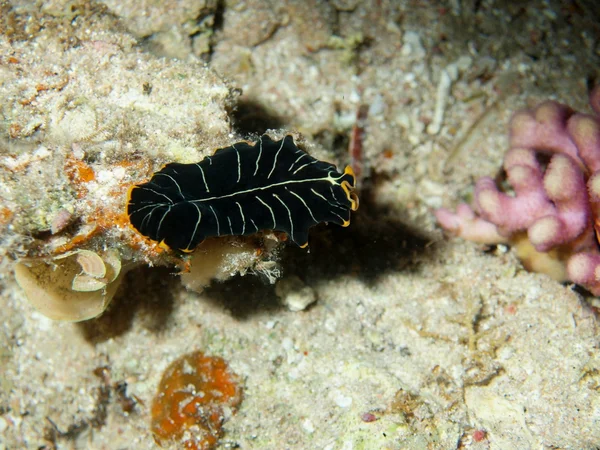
(349, 190)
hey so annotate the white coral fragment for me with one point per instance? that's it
(75, 286)
(294, 293)
(218, 259)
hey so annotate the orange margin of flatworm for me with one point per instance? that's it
(349, 190)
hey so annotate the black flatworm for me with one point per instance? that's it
(241, 190)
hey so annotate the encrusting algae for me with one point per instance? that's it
(196, 395)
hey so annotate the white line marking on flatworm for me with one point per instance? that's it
(154, 192)
(259, 155)
(289, 215)
(332, 193)
(230, 228)
(335, 205)
(217, 219)
(174, 181)
(148, 216)
(148, 206)
(304, 165)
(329, 179)
(243, 218)
(341, 218)
(196, 227)
(161, 221)
(304, 203)
(203, 177)
(318, 195)
(270, 209)
(299, 158)
(239, 164)
(275, 159)
(330, 203)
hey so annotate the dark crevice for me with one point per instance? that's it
(251, 118)
(219, 16)
(217, 24)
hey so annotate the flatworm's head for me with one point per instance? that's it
(240, 190)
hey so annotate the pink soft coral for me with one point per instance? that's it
(552, 218)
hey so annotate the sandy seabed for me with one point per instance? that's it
(416, 340)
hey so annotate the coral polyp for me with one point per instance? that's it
(195, 397)
(553, 218)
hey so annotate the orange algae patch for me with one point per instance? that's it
(194, 397)
(79, 174)
(102, 219)
(5, 216)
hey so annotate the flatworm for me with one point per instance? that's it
(240, 190)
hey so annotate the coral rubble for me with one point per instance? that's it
(553, 166)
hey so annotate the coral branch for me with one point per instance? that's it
(516, 213)
(584, 269)
(467, 225)
(584, 130)
(544, 129)
(552, 217)
(565, 187)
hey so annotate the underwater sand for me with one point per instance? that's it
(416, 340)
